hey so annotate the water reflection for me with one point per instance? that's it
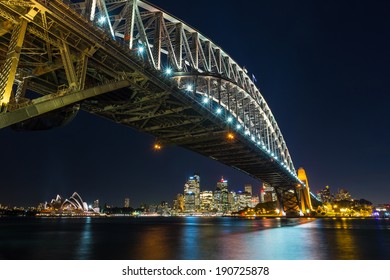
(84, 248)
(194, 238)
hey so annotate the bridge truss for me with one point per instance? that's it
(131, 62)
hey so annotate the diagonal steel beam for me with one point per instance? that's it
(52, 102)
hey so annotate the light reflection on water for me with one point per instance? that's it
(193, 238)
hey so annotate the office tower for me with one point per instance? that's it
(268, 193)
(192, 194)
(206, 201)
(222, 195)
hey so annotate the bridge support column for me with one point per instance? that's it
(67, 61)
(8, 70)
(288, 201)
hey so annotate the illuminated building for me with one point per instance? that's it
(222, 204)
(343, 194)
(248, 189)
(233, 201)
(163, 209)
(127, 202)
(268, 194)
(74, 203)
(243, 200)
(192, 194)
(178, 204)
(206, 201)
(325, 195)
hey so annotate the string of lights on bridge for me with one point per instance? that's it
(230, 120)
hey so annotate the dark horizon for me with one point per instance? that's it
(323, 68)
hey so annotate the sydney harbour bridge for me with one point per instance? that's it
(133, 63)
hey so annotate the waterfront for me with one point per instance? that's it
(193, 238)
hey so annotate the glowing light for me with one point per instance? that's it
(168, 71)
(157, 147)
(189, 88)
(219, 111)
(205, 100)
(141, 49)
(230, 119)
(230, 136)
(238, 126)
(253, 138)
(102, 20)
(247, 132)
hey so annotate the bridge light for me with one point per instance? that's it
(230, 119)
(141, 49)
(247, 132)
(219, 111)
(253, 138)
(205, 100)
(258, 143)
(238, 126)
(189, 88)
(157, 146)
(230, 136)
(168, 71)
(102, 20)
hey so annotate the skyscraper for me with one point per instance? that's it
(206, 201)
(268, 193)
(192, 194)
(222, 196)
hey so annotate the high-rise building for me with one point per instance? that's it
(192, 194)
(248, 188)
(222, 192)
(254, 201)
(233, 201)
(127, 202)
(243, 200)
(206, 201)
(268, 193)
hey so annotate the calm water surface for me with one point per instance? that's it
(193, 238)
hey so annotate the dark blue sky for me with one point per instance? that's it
(322, 66)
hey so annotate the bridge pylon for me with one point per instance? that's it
(294, 200)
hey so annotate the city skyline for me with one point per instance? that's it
(323, 69)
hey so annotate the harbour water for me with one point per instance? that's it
(187, 238)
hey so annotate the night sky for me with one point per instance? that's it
(322, 66)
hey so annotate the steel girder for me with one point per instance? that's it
(168, 42)
(68, 47)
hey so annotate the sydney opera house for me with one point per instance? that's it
(72, 206)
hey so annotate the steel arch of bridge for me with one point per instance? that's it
(170, 43)
(91, 64)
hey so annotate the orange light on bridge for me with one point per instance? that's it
(230, 136)
(157, 147)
